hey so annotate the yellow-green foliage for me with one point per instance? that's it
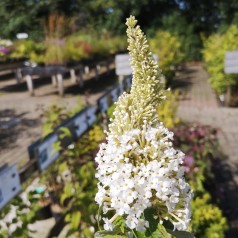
(55, 51)
(59, 50)
(168, 48)
(29, 49)
(214, 51)
(78, 46)
(167, 109)
(106, 45)
(207, 220)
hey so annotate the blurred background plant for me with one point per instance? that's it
(27, 208)
(108, 44)
(200, 145)
(28, 49)
(56, 29)
(171, 16)
(207, 219)
(5, 49)
(168, 108)
(81, 41)
(168, 48)
(215, 47)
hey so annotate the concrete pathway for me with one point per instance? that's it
(201, 105)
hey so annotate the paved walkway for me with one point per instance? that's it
(26, 111)
(200, 105)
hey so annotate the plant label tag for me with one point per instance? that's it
(103, 103)
(127, 82)
(46, 153)
(80, 123)
(9, 184)
(114, 94)
(231, 62)
(91, 115)
(123, 66)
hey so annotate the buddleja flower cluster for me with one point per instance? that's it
(138, 168)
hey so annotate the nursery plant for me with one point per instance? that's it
(5, 49)
(168, 48)
(141, 188)
(214, 51)
(168, 108)
(200, 144)
(28, 49)
(24, 210)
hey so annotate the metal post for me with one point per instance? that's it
(54, 80)
(97, 70)
(86, 69)
(73, 76)
(18, 75)
(29, 83)
(81, 81)
(60, 84)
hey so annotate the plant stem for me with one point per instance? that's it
(134, 233)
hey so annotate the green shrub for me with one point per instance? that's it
(214, 51)
(168, 108)
(191, 42)
(78, 46)
(55, 51)
(5, 49)
(108, 45)
(207, 220)
(53, 115)
(28, 49)
(168, 48)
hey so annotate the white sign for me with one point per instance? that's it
(22, 36)
(123, 66)
(46, 153)
(80, 123)
(231, 62)
(9, 184)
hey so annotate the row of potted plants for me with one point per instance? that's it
(75, 47)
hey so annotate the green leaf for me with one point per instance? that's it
(155, 229)
(115, 236)
(108, 234)
(67, 218)
(68, 192)
(64, 132)
(68, 189)
(119, 224)
(63, 167)
(62, 198)
(56, 147)
(160, 232)
(47, 129)
(76, 217)
(180, 234)
(149, 216)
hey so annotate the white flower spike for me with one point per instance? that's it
(138, 168)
